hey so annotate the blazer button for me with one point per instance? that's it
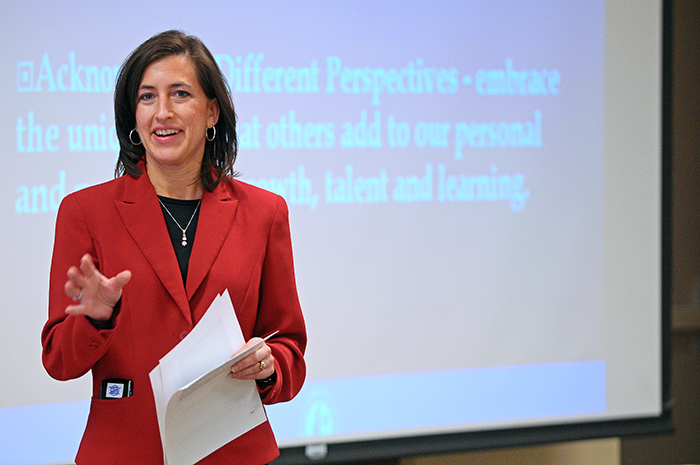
(183, 334)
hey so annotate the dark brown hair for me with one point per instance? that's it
(219, 154)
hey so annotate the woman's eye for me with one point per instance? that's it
(182, 94)
(146, 97)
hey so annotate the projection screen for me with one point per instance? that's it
(475, 194)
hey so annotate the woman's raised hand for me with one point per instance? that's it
(95, 294)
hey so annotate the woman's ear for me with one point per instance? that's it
(213, 111)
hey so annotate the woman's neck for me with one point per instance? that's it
(175, 184)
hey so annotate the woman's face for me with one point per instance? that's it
(173, 114)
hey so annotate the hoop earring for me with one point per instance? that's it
(131, 138)
(206, 133)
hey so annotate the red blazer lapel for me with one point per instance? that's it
(143, 218)
(215, 221)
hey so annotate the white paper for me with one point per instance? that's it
(157, 386)
(199, 407)
(213, 340)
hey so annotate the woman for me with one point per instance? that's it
(147, 253)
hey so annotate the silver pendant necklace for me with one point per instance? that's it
(184, 230)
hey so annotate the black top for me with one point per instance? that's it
(182, 210)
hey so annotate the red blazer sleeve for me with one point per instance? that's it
(279, 309)
(71, 344)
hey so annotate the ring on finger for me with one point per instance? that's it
(80, 296)
(262, 365)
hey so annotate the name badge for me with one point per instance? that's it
(116, 388)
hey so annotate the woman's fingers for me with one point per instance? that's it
(96, 294)
(120, 280)
(258, 365)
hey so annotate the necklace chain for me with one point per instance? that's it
(184, 230)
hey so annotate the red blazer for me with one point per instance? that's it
(242, 244)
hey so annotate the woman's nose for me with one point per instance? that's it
(164, 109)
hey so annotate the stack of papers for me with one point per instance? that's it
(200, 408)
